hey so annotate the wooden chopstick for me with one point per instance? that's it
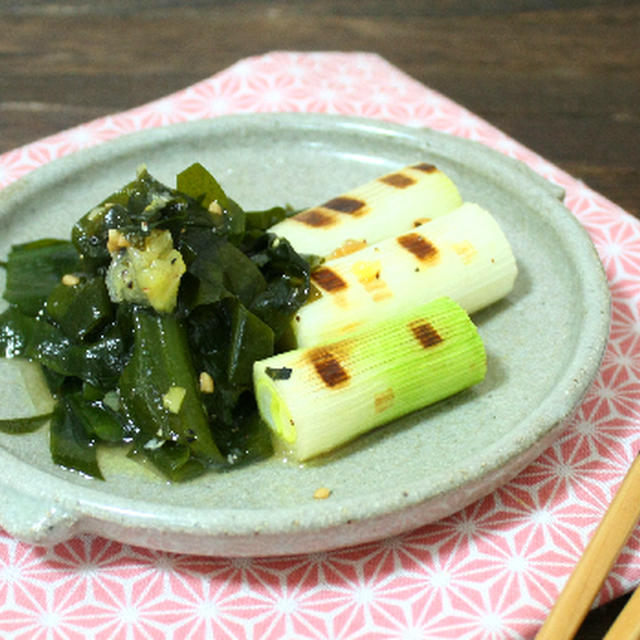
(595, 564)
(627, 625)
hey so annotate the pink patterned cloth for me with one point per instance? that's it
(492, 570)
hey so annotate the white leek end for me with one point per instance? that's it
(463, 255)
(318, 398)
(378, 209)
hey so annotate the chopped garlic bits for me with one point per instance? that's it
(70, 280)
(206, 383)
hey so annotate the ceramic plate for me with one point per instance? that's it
(544, 345)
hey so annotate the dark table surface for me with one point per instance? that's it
(561, 77)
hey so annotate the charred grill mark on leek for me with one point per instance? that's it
(328, 279)
(419, 246)
(384, 400)
(316, 218)
(346, 204)
(425, 167)
(425, 333)
(398, 180)
(328, 367)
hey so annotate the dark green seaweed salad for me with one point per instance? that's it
(147, 322)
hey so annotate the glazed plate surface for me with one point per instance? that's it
(544, 345)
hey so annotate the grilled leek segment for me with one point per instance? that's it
(318, 398)
(463, 255)
(378, 209)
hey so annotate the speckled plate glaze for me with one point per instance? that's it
(544, 344)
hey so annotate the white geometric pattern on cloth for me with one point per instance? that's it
(490, 571)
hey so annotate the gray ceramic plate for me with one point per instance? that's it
(544, 344)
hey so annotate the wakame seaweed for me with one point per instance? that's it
(146, 324)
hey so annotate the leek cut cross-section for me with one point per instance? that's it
(370, 212)
(318, 398)
(463, 255)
